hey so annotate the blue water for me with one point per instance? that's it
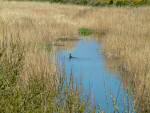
(90, 67)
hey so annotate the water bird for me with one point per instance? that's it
(71, 57)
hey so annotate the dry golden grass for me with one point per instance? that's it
(123, 31)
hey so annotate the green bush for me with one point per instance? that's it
(122, 3)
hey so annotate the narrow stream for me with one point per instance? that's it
(89, 65)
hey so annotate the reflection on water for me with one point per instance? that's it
(89, 66)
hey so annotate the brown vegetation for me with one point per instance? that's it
(123, 31)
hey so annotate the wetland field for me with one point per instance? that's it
(66, 58)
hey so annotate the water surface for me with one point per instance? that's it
(90, 66)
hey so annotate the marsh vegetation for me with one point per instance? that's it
(28, 74)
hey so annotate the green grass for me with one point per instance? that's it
(85, 31)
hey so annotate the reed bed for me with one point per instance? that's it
(29, 81)
(123, 31)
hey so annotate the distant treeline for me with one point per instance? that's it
(100, 2)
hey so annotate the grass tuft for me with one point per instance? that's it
(85, 31)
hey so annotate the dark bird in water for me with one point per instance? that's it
(70, 56)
